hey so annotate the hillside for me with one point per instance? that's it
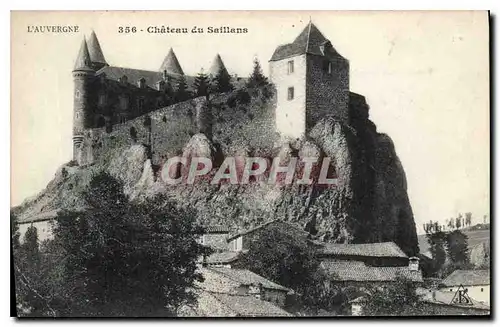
(479, 241)
(369, 204)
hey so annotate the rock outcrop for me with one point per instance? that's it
(369, 203)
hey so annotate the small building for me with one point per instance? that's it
(475, 282)
(241, 241)
(369, 264)
(215, 236)
(372, 254)
(221, 259)
(231, 292)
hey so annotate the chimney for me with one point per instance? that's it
(141, 83)
(413, 263)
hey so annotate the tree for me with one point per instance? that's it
(257, 78)
(289, 260)
(398, 298)
(14, 232)
(458, 222)
(201, 84)
(451, 223)
(222, 81)
(182, 93)
(437, 241)
(120, 258)
(468, 218)
(457, 245)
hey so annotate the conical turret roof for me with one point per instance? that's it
(83, 59)
(95, 50)
(217, 65)
(171, 64)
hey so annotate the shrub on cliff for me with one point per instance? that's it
(181, 92)
(290, 261)
(201, 85)
(222, 82)
(119, 258)
(257, 78)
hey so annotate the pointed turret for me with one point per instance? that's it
(309, 41)
(95, 51)
(217, 66)
(171, 64)
(83, 61)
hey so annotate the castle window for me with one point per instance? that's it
(290, 67)
(77, 94)
(124, 103)
(327, 67)
(102, 99)
(140, 104)
(141, 83)
(290, 93)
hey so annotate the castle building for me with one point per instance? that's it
(106, 95)
(312, 82)
(311, 78)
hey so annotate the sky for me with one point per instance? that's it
(425, 76)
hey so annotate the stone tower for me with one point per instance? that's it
(312, 82)
(83, 76)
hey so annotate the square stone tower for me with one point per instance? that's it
(312, 82)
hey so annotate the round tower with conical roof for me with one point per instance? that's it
(83, 76)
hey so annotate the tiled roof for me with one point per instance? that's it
(358, 271)
(247, 305)
(309, 41)
(265, 225)
(246, 277)
(215, 229)
(386, 249)
(222, 257)
(468, 278)
(134, 75)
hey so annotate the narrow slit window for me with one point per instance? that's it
(290, 93)
(290, 67)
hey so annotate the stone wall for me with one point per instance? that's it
(327, 94)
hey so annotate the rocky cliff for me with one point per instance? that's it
(369, 204)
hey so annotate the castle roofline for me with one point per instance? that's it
(309, 41)
(95, 51)
(171, 64)
(217, 66)
(83, 61)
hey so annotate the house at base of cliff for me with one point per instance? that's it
(369, 264)
(242, 240)
(227, 292)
